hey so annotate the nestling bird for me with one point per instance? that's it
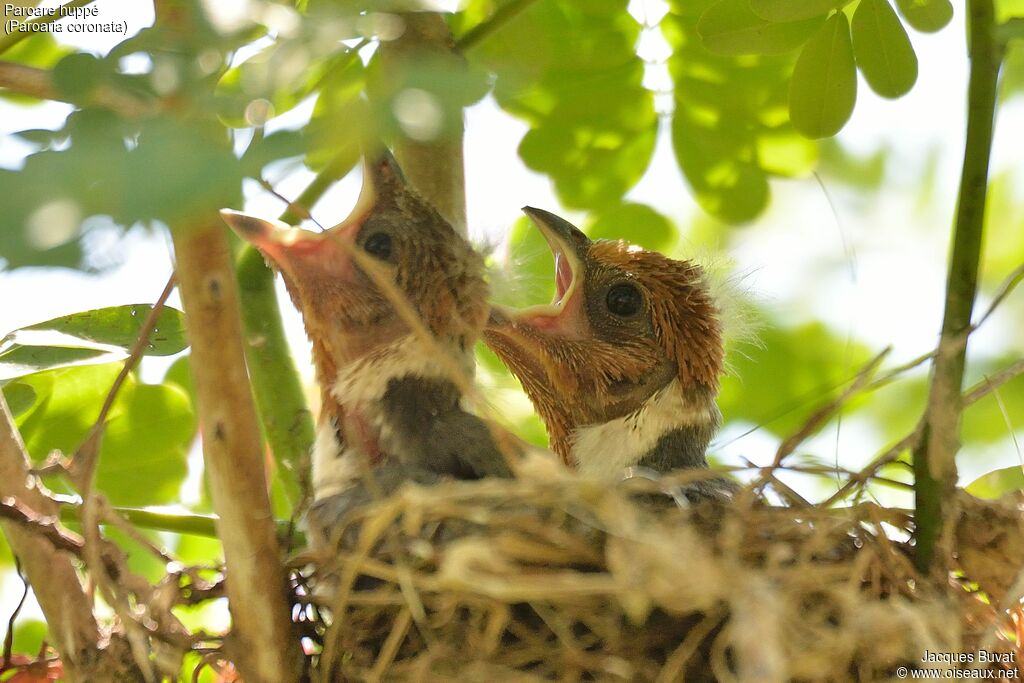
(389, 401)
(624, 365)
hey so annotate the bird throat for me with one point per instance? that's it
(670, 430)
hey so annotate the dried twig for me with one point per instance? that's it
(83, 464)
(821, 416)
(45, 527)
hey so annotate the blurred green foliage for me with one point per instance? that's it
(571, 71)
(730, 128)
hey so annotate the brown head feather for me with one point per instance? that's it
(581, 363)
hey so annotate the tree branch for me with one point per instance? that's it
(434, 167)
(934, 454)
(263, 644)
(67, 608)
(28, 80)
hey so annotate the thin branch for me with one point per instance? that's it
(1011, 29)
(177, 523)
(476, 35)
(1005, 290)
(263, 645)
(28, 80)
(45, 527)
(434, 167)
(83, 465)
(934, 455)
(970, 397)
(821, 416)
(993, 382)
(6, 663)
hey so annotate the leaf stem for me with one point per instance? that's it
(186, 523)
(934, 455)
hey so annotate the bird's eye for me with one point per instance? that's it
(378, 245)
(624, 300)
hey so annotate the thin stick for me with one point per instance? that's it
(9, 636)
(83, 465)
(476, 35)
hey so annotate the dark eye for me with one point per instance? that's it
(624, 300)
(378, 245)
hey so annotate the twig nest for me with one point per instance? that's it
(567, 579)
(990, 544)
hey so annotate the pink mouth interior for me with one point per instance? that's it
(563, 276)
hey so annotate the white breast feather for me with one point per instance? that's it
(603, 451)
(359, 386)
(333, 471)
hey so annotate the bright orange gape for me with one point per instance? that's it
(624, 365)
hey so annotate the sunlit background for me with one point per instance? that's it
(853, 255)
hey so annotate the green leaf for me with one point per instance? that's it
(282, 74)
(18, 359)
(78, 74)
(20, 397)
(197, 168)
(120, 326)
(730, 27)
(149, 429)
(635, 223)
(731, 118)
(533, 266)
(883, 50)
(70, 400)
(180, 374)
(571, 71)
(340, 116)
(40, 50)
(997, 483)
(824, 86)
(794, 10)
(146, 442)
(927, 16)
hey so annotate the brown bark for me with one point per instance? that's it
(263, 645)
(51, 572)
(28, 80)
(435, 168)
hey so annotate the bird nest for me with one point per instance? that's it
(565, 579)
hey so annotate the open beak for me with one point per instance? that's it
(303, 253)
(565, 314)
